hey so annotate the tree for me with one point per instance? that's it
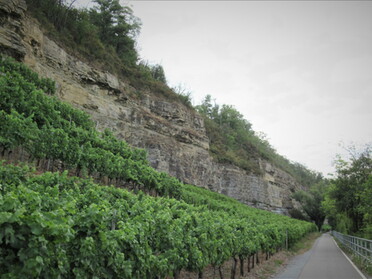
(118, 28)
(311, 202)
(157, 72)
(232, 140)
(349, 200)
(234, 119)
(207, 109)
(365, 207)
(56, 11)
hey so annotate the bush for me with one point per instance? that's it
(326, 228)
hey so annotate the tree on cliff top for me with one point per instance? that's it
(117, 27)
(233, 140)
(105, 32)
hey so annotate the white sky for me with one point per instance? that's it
(299, 71)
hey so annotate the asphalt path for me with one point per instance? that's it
(324, 261)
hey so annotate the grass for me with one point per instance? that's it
(363, 265)
(274, 265)
(305, 244)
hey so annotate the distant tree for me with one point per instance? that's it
(233, 140)
(311, 202)
(234, 119)
(208, 109)
(157, 72)
(56, 11)
(305, 176)
(298, 214)
(105, 33)
(365, 207)
(117, 27)
(348, 202)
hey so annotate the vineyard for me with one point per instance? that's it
(56, 225)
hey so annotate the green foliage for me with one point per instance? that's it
(365, 207)
(106, 32)
(184, 95)
(311, 202)
(105, 36)
(229, 135)
(326, 228)
(15, 130)
(348, 201)
(117, 28)
(298, 214)
(232, 140)
(8, 65)
(157, 72)
(50, 129)
(56, 226)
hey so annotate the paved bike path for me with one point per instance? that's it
(324, 261)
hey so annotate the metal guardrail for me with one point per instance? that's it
(360, 246)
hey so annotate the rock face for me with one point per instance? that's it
(11, 15)
(173, 134)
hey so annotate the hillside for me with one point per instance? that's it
(135, 104)
(53, 225)
(76, 200)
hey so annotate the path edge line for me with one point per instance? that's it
(356, 268)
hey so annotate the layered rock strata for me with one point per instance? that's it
(173, 134)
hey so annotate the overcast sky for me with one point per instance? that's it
(299, 71)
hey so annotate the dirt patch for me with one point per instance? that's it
(265, 269)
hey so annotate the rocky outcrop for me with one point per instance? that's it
(11, 14)
(173, 134)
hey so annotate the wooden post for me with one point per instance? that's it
(220, 271)
(233, 268)
(286, 239)
(241, 266)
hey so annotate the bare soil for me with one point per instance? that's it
(266, 269)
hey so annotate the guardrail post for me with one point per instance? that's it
(359, 246)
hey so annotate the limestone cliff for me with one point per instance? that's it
(173, 134)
